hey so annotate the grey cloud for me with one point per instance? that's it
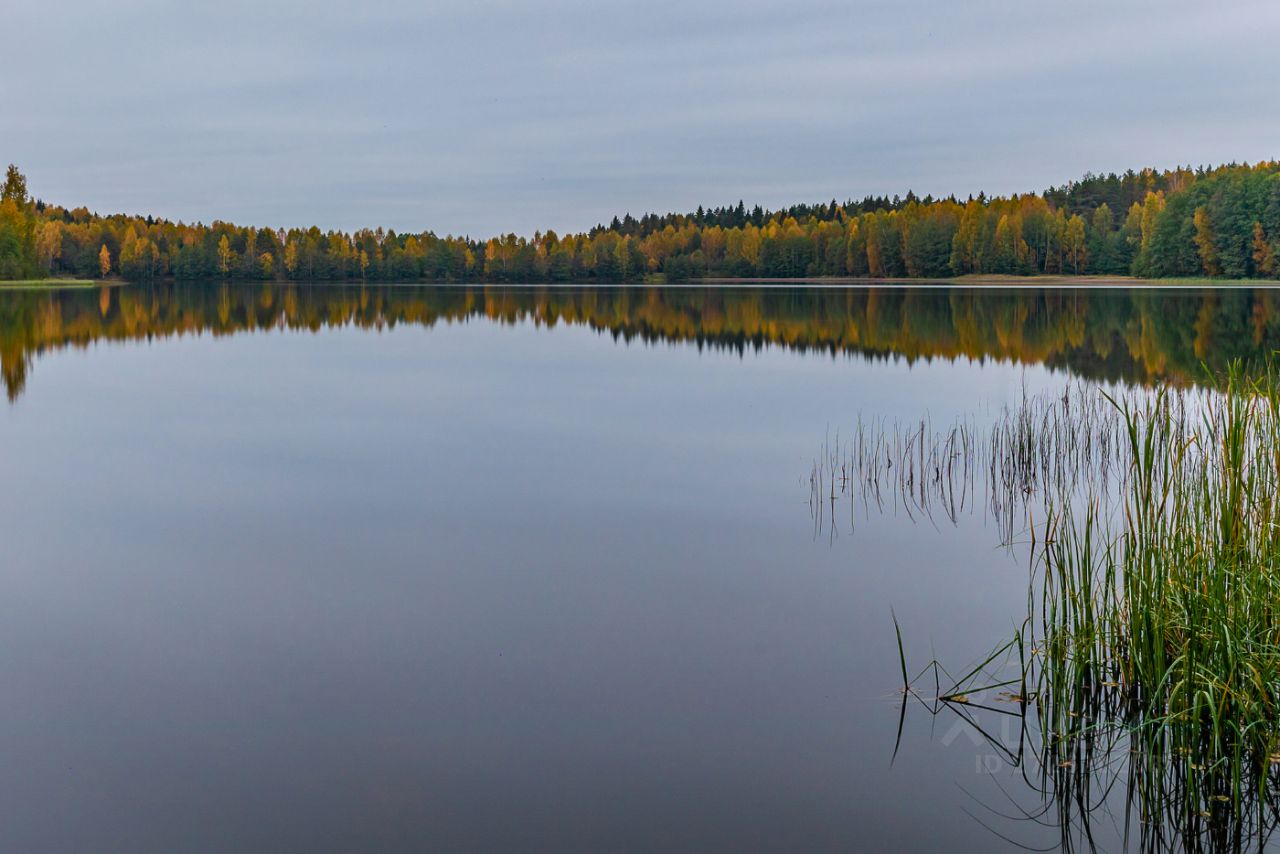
(504, 116)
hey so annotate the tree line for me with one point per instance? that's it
(1215, 222)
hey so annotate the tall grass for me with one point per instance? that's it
(1150, 654)
(1170, 630)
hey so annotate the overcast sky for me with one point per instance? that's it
(483, 117)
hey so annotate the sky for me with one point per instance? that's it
(484, 117)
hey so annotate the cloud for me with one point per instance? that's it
(499, 116)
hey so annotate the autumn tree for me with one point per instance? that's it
(49, 244)
(225, 256)
(622, 259)
(1264, 256)
(1149, 215)
(17, 229)
(15, 186)
(969, 246)
(1077, 249)
(1206, 244)
(291, 258)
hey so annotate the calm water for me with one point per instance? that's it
(337, 569)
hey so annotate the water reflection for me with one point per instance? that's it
(1137, 335)
(488, 587)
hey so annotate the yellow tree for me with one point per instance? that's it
(128, 254)
(152, 257)
(49, 243)
(495, 258)
(713, 244)
(875, 249)
(104, 261)
(622, 257)
(225, 255)
(15, 187)
(967, 255)
(1012, 250)
(750, 247)
(1152, 207)
(1206, 244)
(1076, 246)
(1264, 258)
(1054, 257)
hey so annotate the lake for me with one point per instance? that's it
(401, 567)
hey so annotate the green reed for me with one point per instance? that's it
(1170, 630)
(1150, 655)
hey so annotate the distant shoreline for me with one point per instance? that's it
(55, 283)
(1210, 228)
(968, 281)
(1003, 281)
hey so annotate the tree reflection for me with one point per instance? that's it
(1117, 334)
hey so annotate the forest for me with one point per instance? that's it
(1220, 222)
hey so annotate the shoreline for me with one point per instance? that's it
(54, 284)
(1003, 281)
(994, 282)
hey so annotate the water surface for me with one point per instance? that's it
(330, 568)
